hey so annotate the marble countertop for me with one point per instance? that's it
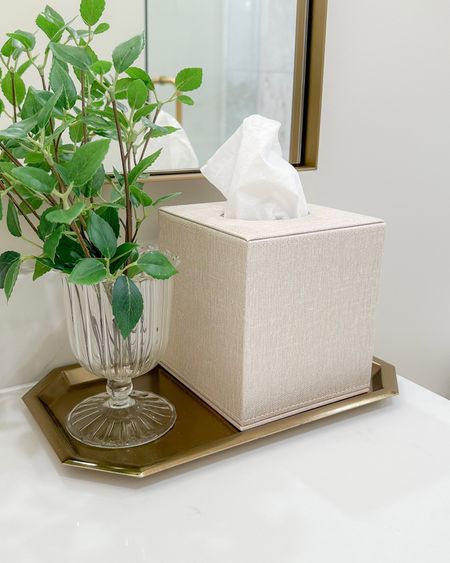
(368, 486)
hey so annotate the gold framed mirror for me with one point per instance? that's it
(258, 56)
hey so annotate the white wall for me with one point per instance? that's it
(384, 150)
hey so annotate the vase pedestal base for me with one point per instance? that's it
(95, 423)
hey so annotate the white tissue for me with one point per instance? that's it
(177, 151)
(250, 171)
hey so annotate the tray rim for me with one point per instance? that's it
(56, 437)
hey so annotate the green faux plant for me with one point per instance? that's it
(85, 224)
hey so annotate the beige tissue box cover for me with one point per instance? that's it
(271, 318)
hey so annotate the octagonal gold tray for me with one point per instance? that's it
(198, 432)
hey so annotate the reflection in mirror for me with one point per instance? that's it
(246, 49)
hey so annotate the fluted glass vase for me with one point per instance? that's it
(120, 417)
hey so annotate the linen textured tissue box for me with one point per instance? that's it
(271, 318)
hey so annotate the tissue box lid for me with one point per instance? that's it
(320, 219)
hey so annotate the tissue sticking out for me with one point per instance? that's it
(250, 171)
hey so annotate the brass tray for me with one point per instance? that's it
(198, 432)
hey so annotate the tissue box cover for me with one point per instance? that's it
(271, 318)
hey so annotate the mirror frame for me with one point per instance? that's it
(307, 91)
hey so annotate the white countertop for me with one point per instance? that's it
(367, 486)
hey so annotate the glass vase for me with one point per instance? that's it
(120, 417)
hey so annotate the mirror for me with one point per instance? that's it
(247, 51)
(258, 56)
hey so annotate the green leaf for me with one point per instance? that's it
(69, 252)
(186, 100)
(52, 242)
(66, 216)
(111, 216)
(88, 271)
(18, 130)
(137, 94)
(40, 269)
(30, 204)
(142, 166)
(127, 305)
(49, 27)
(45, 228)
(108, 113)
(76, 132)
(156, 265)
(91, 11)
(6, 259)
(7, 48)
(45, 113)
(101, 28)
(80, 33)
(126, 53)
(98, 91)
(86, 161)
(32, 104)
(53, 16)
(78, 57)
(139, 74)
(97, 122)
(11, 278)
(95, 184)
(101, 67)
(167, 197)
(34, 178)
(12, 220)
(121, 90)
(8, 81)
(62, 171)
(60, 78)
(2, 107)
(35, 157)
(24, 67)
(102, 235)
(6, 167)
(143, 198)
(158, 130)
(149, 108)
(90, 52)
(123, 253)
(24, 38)
(189, 79)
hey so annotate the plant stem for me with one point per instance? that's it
(30, 242)
(11, 157)
(129, 214)
(44, 86)
(75, 228)
(58, 140)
